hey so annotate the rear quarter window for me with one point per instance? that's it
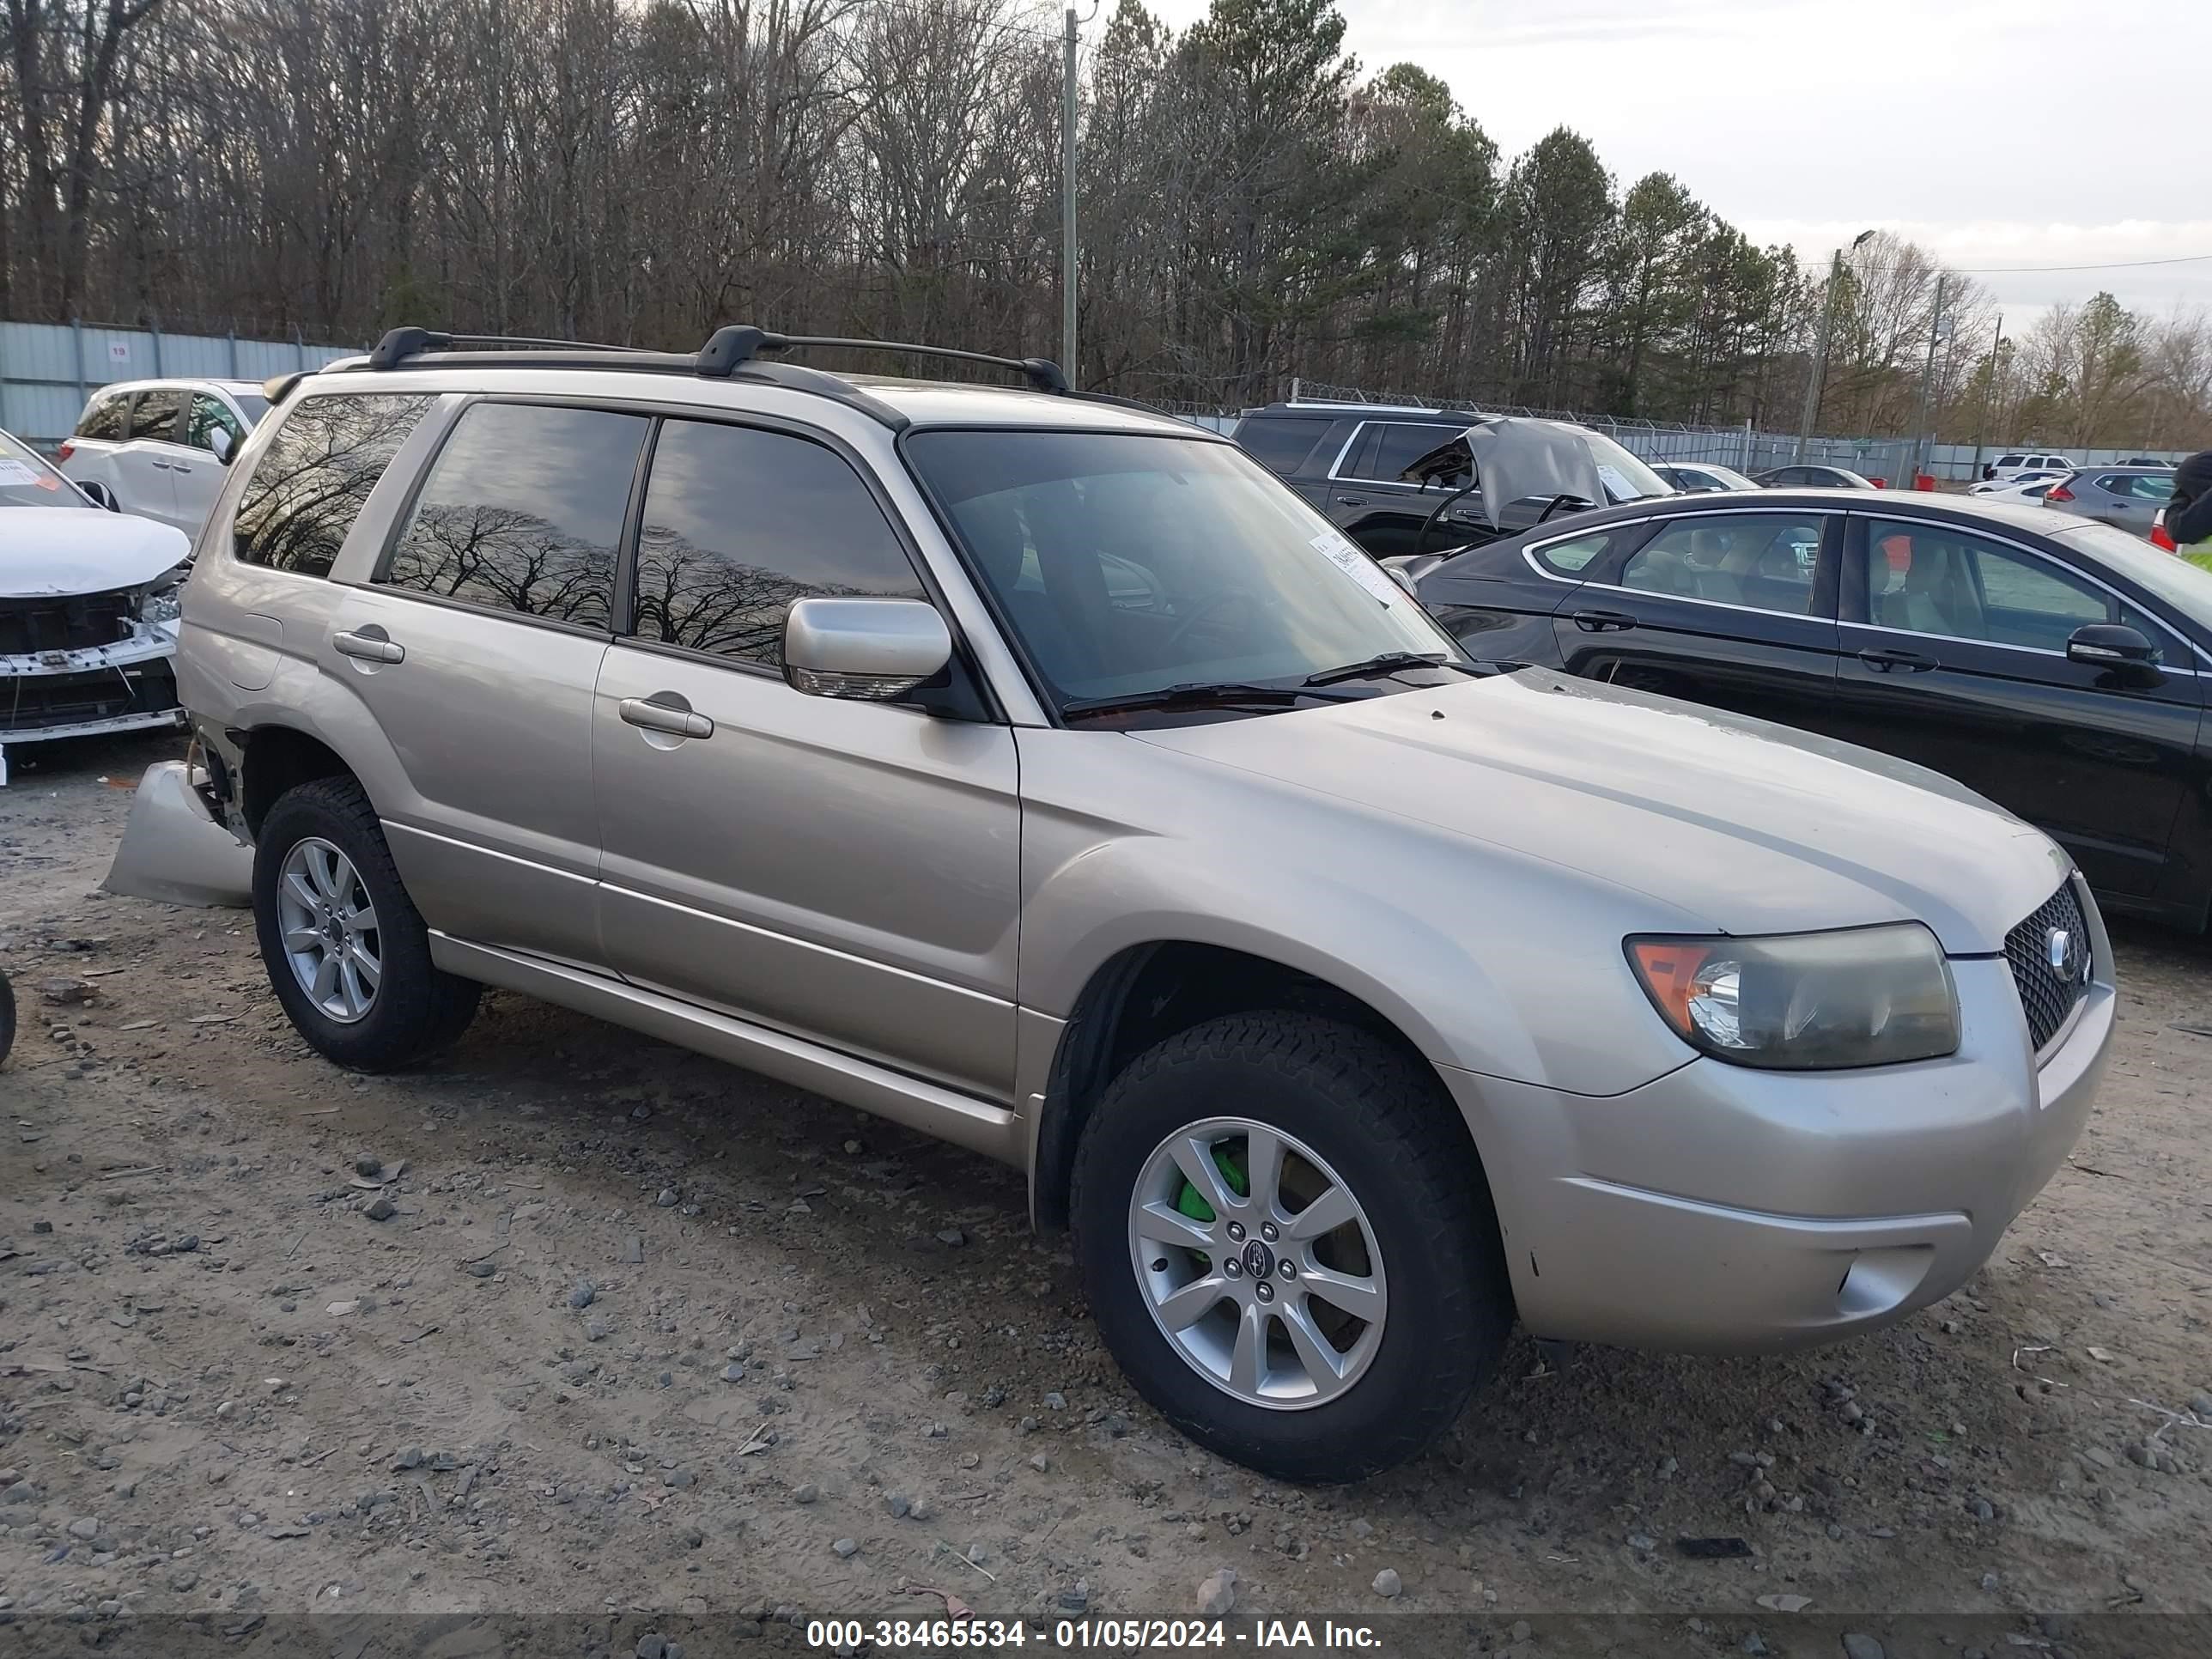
(103, 416)
(1571, 558)
(1280, 446)
(311, 483)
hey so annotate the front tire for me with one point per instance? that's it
(346, 951)
(1287, 1246)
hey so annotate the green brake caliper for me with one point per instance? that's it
(1192, 1202)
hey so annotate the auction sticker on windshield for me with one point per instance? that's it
(1620, 489)
(18, 472)
(1358, 566)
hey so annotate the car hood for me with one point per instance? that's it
(59, 550)
(1752, 827)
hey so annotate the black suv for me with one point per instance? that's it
(1379, 472)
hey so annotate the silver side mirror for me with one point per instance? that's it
(219, 442)
(867, 649)
(100, 495)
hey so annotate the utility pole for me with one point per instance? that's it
(1067, 204)
(1922, 439)
(1989, 395)
(1817, 370)
(1818, 377)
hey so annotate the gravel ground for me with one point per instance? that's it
(576, 1323)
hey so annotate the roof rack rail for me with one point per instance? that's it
(740, 344)
(732, 352)
(400, 343)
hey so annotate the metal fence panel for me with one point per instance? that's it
(47, 370)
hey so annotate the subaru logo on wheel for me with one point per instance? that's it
(1259, 1259)
(2068, 953)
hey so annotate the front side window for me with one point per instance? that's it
(105, 416)
(739, 524)
(153, 414)
(1127, 562)
(1929, 579)
(1762, 559)
(1384, 449)
(312, 480)
(522, 511)
(27, 481)
(208, 416)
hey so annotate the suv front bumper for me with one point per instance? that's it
(1721, 1209)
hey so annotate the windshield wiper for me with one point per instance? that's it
(1388, 662)
(1199, 693)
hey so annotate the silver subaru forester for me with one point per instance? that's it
(1039, 772)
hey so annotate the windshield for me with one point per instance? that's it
(2185, 585)
(1126, 563)
(1727, 474)
(1627, 478)
(27, 481)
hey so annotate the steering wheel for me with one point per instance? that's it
(1207, 607)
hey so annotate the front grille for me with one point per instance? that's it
(76, 621)
(2047, 995)
(35, 703)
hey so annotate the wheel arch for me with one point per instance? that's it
(1146, 992)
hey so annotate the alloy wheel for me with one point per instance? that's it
(328, 925)
(1258, 1263)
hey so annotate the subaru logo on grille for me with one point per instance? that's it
(2068, 953)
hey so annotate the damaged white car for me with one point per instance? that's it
(88, 602)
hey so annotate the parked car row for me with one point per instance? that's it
(1040, 772)
(2054, 665)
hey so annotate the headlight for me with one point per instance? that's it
(1864, 996)
(162, 599)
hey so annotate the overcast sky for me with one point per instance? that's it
(1995, 132)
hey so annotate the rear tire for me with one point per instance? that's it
(414, 1009)
(1423, 1238)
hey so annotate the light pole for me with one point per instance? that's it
(1067, 205)
(1818, 377)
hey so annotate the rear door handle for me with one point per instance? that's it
(652, 716)
(1352, 500)
(369, 648)
(1603, 622)
(1911, 662)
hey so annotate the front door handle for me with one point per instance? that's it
(173, 467)
(1911, 662)
(1603, 622)
(369, 645)
(652, 716)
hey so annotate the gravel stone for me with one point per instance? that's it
(633, 1253)
(1858, 1645)
(668, 1199)
(846, 1547)
(1387, 1584)
(898, 1505)
(1217, 1594)
(380, 1208)
(86, 1527)
(805, 1494)
(582, 1297)
(1055, 1402)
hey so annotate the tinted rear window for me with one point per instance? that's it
(153, 415)
(522, 512)
(103, 416)
(1280, 444)
(1386, 448)
(312, 482)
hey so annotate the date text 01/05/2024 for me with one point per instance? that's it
(1089, 1635)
